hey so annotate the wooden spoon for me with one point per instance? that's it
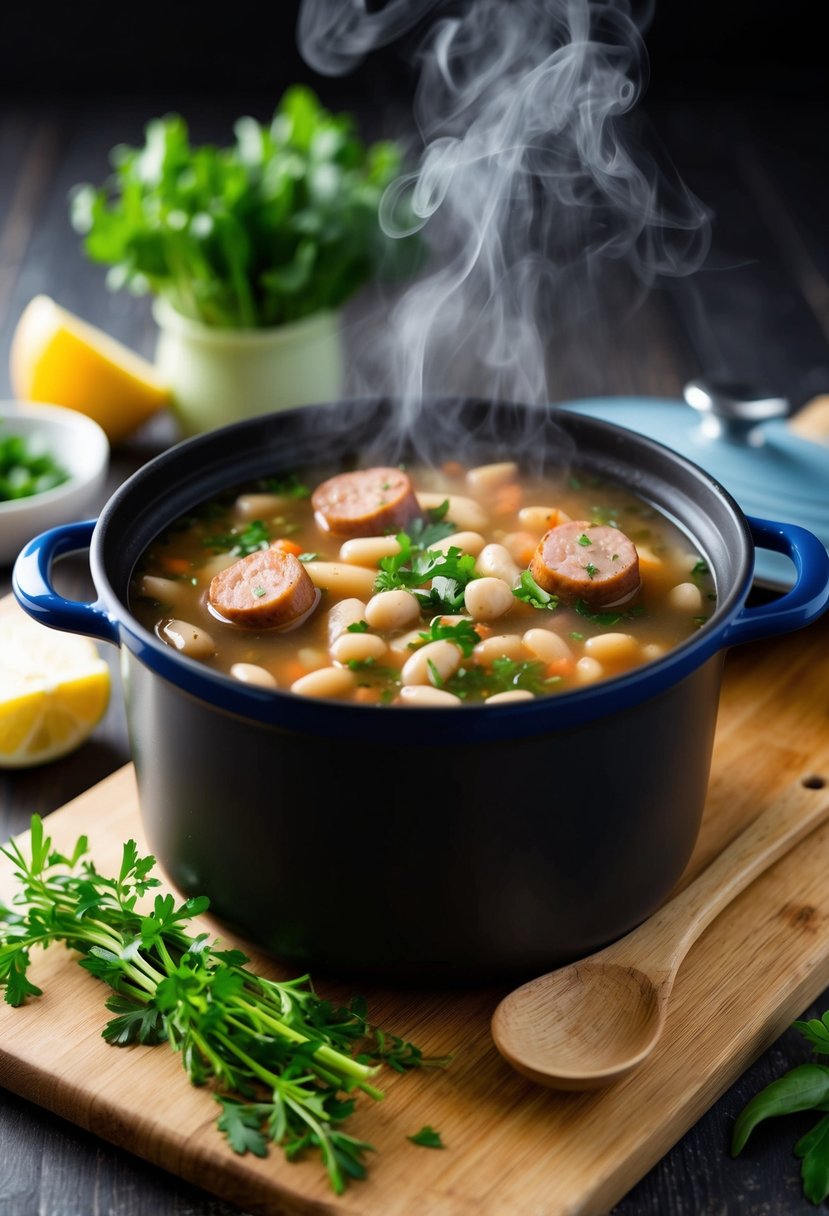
(594, 1021)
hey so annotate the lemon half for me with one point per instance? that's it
(54, 689)
(60, 359)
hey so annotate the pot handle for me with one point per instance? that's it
(31, 582)
(806, 600)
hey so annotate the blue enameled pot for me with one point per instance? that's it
(424, 844)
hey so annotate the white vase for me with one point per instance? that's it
(219, 376)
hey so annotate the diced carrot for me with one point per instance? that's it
(508, 499)
(367, 696)
(452, 468)
(560, 667)
(287, 546)
(175, 565)
(483, 631)
(293, 671)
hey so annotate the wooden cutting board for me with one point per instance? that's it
(510, 1147)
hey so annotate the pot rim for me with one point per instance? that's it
(283, 708)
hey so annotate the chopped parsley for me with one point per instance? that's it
(576, 636)
(416, 565)
(584, 539)
(434, 674)
(700, 568)
(529, 592)
(290, 486)
(463, 634)
(309, 557)
(434, 528)
(592, 570)
(505, 675)
(259, 592)
(427, 1137)
(357, 627)
(611, 617)
(240, 543)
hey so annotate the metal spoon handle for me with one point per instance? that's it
(667, 936)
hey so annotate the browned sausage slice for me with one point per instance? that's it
(369, 502)
(264, 590)
(592, 561)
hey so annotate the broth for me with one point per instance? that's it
(478, 626)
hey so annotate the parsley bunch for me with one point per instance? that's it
(283, 1063)
(805, 1087)
(278, 226)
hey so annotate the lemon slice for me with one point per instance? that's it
(54, 689)
(60, 359)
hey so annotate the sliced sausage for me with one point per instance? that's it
(595, 562)
(265, 590)
(369, 502)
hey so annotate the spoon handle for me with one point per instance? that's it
(672, 930)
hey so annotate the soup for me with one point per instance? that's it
(422, 586)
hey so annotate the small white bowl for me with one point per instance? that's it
(75, 442)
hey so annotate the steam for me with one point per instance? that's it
(533, 179)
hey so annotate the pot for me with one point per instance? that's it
(219, 376)
(422, 844)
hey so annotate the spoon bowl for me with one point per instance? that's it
(593, 1022)
(608, 1017)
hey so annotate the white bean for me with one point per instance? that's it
(653, 650)
(466, 513)
(540, 519)
(497, 561)
(392, 609)
(368, 550)
(685, 597)
(252, 673)
(423, 694)
(259, 506)
(468, 542)
(215, 565)
(546, 645)
(488, 477)
(196, 643)
(501, 646)
(443, 658)
(514, 694)
(485, 599)
(341, 578)
(165, 590)
(612, 649)
(406, 642)
(311, 658)
(588, 670)
(341, 615)
(326, 682)
(357, 647)
(520, 546)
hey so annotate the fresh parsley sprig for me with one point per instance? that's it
(416, 565)
(240, 542)
(284, 1064)
(504, 675)
(462, 633)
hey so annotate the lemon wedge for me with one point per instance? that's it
(54, 689)
(60, 359)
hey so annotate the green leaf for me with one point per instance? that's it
(816, 1032)
(463, 634)
(813, 1148)
(357, 627)
(427, 1137)
(240, 542)
(135, 1023)
(802, 1088)
(242, 1123)
(13, 976)
(531, 593)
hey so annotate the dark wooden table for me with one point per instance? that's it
(760, 311)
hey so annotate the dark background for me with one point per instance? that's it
(737, 97)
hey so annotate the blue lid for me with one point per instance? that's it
(771, 471)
